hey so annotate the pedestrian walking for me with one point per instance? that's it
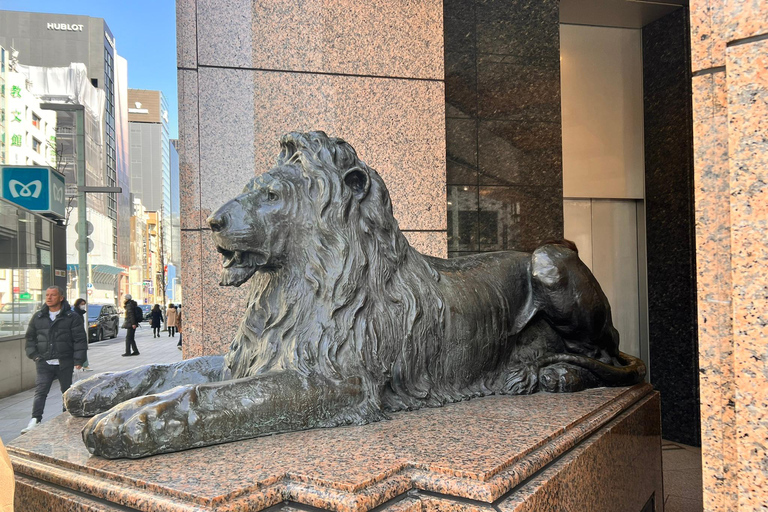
(170, 316)
(131, 323)
(157, 320)
(79, 308)
(178, 325)
(56, 342)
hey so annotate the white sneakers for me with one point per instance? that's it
(32, 424)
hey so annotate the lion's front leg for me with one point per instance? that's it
(201, 415)
(103, 391)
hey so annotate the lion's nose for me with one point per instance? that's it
(218, 221)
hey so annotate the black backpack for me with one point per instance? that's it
(138, 314)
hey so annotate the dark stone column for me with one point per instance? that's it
(674, 358)
(504, 135)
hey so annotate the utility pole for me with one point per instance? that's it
(161, 233)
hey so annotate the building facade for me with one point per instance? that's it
(153, 160)
(55, 40)
(27, 131)
(636, 128)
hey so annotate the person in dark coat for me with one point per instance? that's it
(130, 324)
(56, 342)
(79, 308)
(157, 320)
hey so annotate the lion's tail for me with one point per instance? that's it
(632, 370)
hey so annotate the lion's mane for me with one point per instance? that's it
(361, 304)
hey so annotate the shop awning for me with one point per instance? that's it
(104, 274)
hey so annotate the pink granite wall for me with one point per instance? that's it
(369, 72)
(730, 111)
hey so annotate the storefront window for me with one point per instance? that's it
(25, 267)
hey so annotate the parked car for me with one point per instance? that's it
(146, 309)
(103, 322)
(14, 317)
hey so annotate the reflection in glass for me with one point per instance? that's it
(25, 267)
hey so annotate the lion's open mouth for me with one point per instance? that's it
(239, 265)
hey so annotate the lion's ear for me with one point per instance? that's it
(358, 181)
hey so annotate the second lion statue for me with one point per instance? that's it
(346, 322)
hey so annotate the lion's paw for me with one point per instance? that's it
(140, 427)
(98, 393)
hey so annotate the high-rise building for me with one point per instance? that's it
(173, 286)
(151, 170)
(55, 40)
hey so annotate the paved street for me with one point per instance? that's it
(103, 356)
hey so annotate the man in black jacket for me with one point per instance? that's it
(130, 324)
(57, 343)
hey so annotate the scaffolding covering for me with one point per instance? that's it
(66, 85)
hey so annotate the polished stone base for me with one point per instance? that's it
(597, 450)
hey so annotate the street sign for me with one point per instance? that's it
(25, 296)
(89, 285)
(36, 188)
(88, 228)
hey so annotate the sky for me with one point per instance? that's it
(145, 35)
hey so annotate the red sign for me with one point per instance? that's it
(16, 289)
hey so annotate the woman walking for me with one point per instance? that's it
(171, 319)
(157, 320)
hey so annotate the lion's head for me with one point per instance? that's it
(335, 287)
(314, 192)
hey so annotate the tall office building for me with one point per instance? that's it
(150, 169)
(173, 286)
(56, 40)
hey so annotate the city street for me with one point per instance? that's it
(103, 356)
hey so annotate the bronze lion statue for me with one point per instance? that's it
(346, 322)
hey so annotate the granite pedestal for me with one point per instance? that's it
(597, 450)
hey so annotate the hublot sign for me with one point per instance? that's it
(65, 26)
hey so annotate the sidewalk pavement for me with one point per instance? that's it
(103, 356)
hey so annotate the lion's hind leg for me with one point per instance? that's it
(566, 378)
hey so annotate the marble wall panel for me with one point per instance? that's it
(189, 150)
(224, 306)
(707, 41)
(461, 142)
(194, 301)
(433, 243)
(525, 217)
(747, 81)
(396, 126)
(460, 26)
(743, 19)
(186, 33)
(508, 88)
(460, 85)
(528, 29)
(502, 104)
(713, 265)
(400, 38)
(669, 207)
(520, 153)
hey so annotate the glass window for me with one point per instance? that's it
(25, 267)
